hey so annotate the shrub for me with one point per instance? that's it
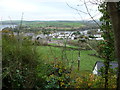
(59, 76)
(20, 61)
(93, 81)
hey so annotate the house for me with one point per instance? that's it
(99, 31)
(100, 64)
(84, 32)
(42, 39)
(41, 36)
(29, 34)
(97, 35)
(101, 38)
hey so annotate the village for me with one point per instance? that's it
(60, 44)
(69, 35)
(78, 48)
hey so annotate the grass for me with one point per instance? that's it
(57, 39)
(53, 24)
(68, 46)
(51, 53)
(71, 46)
(53, 44)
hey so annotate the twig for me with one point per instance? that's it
(20, 26)
(1, 21)
(92, 48)
(11, 22)
(76, 9)
(92, 17)
(90, 14)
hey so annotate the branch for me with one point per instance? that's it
(92, 17)
(1, 21)
(11, 22)
(90, 14)
(96, 2)
(76, 9)
(21, 20)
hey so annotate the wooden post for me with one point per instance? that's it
(79, 60)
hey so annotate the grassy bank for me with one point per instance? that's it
(51, 53)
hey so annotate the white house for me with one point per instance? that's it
(41, 36)
(101, 38)
(100, 64)
(84, 32)
(29, 34)
(97, 35)
(63, 35)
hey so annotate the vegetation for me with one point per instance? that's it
(23, 67)
(115, 20)
(38, 26)
(106, 48)
(30, 65)
(20, 62)
(51, 53)
(63, 77)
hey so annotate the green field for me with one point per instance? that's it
(68, 46)
(53, 24)
(51, 53)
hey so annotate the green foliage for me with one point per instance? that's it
(106, 50)
(111, 71)
(77, 33)
(49, 54)
(54, 24)
(93, 81)
(20, 61)
(24, 68)
(106, 47)
(59, 76)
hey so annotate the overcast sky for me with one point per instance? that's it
(46, 10)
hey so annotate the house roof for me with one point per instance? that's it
(101, 64)
(41, 36)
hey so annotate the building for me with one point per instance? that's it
(100, 64)
(42, 39)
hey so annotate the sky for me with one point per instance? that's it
(46, 10)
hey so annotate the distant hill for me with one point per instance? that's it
(83, 25)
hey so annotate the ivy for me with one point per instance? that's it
(106, 47)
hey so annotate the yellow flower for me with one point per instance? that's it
(60, 71)
(77, 86)
(61, 83)
(56, 66)
(79, 80)
(52, 75)
(60, 79)
(114, 86)
(89, 84)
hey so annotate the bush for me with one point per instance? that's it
(63, 77)
(93, 81)
(59, 76)
(20, 61)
